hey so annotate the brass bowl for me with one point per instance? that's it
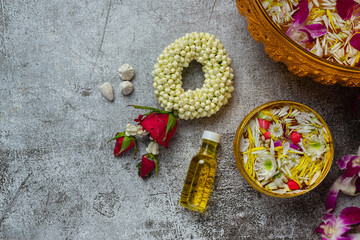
(239, 158)
(283, 49)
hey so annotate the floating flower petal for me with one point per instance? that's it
(355, 41)
(346, 8)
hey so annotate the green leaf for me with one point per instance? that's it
(170, 124)
(155, 160)
(125, 144)
(119, 135)
(138, 166)
(150, 108)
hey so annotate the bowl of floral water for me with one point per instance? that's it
(283, 149)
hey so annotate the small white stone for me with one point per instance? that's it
(201, 162)
(126, 72)
(107, 90)
(126, 87)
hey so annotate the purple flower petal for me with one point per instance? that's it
(320, 229)
(302, 13)
(342, 162)
(350, 215)
(294, 146)
(277, 143)
(355, 41)
(352, 168)
(348, 186)
(357, 185)
(329, 219)
(316, 30)
(345, 8)
(310, 39)
(331, 199)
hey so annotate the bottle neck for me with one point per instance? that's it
(208, 147)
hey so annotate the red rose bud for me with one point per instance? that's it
(295, 137)
(267, 135)
(263, 123)
(160, 126)
(147, 165)
(293, 185)
(123, 143)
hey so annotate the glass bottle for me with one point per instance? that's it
(201, 174)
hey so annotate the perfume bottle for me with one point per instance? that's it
(201, 174)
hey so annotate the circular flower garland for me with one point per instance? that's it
(217, 88)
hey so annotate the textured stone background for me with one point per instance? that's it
(58, 176)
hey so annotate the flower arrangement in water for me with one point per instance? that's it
(285, 148)
(327, 28)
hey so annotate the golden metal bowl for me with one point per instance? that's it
(282, 49)
(239, 158)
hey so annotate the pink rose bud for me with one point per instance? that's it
(123, 144)
(147, 165)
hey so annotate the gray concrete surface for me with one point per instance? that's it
(58, 176)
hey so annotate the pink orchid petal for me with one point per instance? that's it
(342, 162)
(320, 228)
(355, 41)
(350, 215)
(352, 167)
(316, 30)
(331, 199)
(310, 39)
(348, 186)
(329, 219)
(357, 185)
(302, 13)
(345, 8)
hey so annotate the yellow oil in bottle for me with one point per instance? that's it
(201, 175)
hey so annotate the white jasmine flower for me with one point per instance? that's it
(265, 166)
(153, 148)
(131, 130)
(141, 132)
(276, 130)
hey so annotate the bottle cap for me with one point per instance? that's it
(212, 136)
